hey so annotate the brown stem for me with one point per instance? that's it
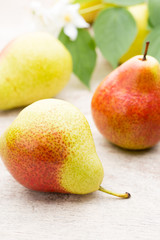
(145, 52)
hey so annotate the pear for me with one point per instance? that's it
(49, 147)
(140, 14)
(126, 104)
(89, 10)
(32, 67)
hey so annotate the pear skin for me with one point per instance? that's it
(140, 14)
(49, 147)
(125, 106)
(32, 67)
(89, 15)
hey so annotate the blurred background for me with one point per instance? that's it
(16, 18)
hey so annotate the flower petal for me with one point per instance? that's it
(71, 31)
(62, 14)
(80, 22)
(74, 7)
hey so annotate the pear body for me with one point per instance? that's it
(126, 105)
(89, 10)
(90, 15)
(49, 147)
(32, 67)
(140, 14)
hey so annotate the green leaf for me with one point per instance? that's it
(125, 2)
(154, 39)
(83, 54)
(115, 29)
(154, 11)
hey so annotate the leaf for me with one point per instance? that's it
(83, 54)
(125, 2)
(154, 10)
(115, 30)
(154, 39)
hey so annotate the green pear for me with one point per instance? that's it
(49, 147)
(32, 67)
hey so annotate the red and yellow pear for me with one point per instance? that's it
(49, 147)
(126, 105)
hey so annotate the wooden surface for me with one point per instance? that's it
(29, 215)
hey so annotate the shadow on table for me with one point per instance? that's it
(112, 148)
(50, 198)
(33, 196)
(133, 152)
(10, 112)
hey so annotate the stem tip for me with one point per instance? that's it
(128, 195)
(146, 50)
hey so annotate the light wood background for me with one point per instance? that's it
(28, 215)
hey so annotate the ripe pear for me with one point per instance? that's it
(32, 67)
(126, 105)
(49, 147)
(89, 10)
(140, 14)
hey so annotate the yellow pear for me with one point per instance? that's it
(32, 67)
(140, 13)
(89, 10)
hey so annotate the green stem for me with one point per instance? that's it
(125, 195)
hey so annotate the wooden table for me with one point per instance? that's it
(29, 215)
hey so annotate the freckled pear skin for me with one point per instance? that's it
(126, 105)
(49, 147)
(32, 67)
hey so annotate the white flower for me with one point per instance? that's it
(39, 13)
(61, 15)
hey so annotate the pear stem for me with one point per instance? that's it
(146, 50)
(125, 195)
